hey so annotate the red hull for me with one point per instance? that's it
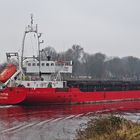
(57, 96)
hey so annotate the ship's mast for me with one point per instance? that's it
(31, 29)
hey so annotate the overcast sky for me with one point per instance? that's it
(107, 26)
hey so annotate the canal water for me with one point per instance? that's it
(57, 122)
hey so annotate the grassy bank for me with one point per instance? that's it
(109, 128)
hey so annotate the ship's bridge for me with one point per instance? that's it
(46, 67)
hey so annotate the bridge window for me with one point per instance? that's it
(43, 64)
(37, 64)
(47, 64)
(33, 64)
(29, 64)
(52, 64)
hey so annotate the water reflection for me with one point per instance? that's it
(55, 122)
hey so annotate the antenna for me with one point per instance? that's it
(32, 22)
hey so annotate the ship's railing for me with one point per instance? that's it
(41, 84)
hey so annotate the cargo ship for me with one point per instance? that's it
(34, 81)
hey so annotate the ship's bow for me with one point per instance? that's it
(12, 95)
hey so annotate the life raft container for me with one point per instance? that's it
(9, 70)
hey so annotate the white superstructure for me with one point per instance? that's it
(47, 67)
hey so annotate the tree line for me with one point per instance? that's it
(98, 65)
